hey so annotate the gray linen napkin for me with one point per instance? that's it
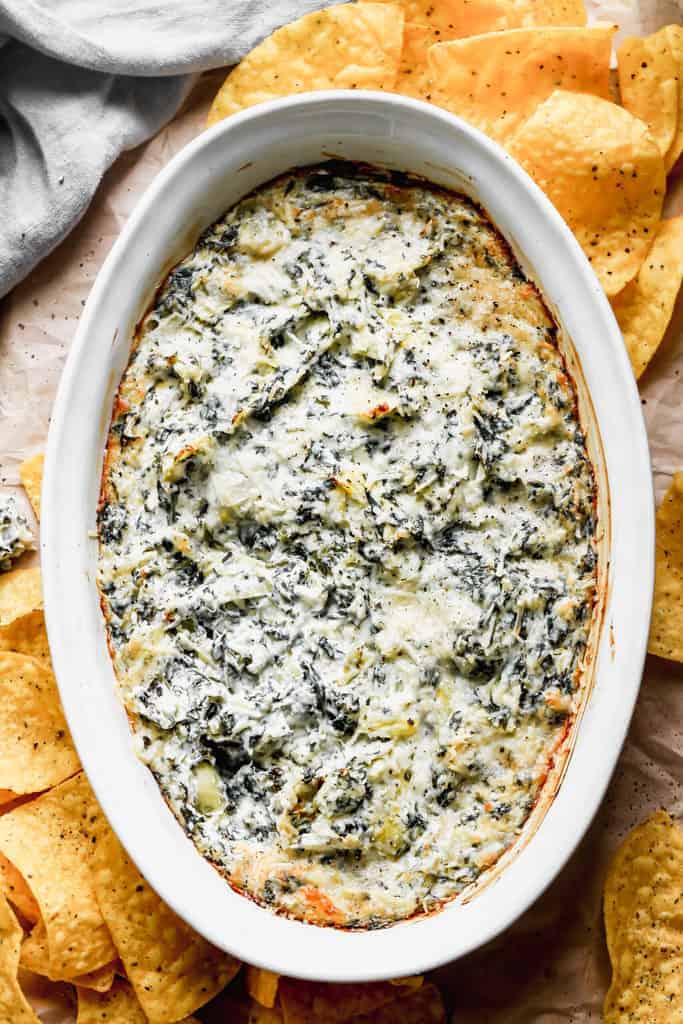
(83, 80)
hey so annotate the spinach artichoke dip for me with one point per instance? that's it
(15, 533)
(347, 545)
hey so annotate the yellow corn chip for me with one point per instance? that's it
(31, 475)
(439, 23)
(258, 1014)
(21, 591)
(27, 635)
(443, 20)
(648, 83)
(117, 1006)
(100, 980)
(348, 46)
(14, 1008)
(454, 19)
(308, 1001)
(644, 925)
(675, 34)
(644, 307)
(495, 82)
(666, 628)
(421, 1006)
(14, 888)
(35, 746)
(44, 842)
(262, 985)
(35, 957)
(414, 76)
(604, 173)
(410, 981)
(172, 969)
(10, 800)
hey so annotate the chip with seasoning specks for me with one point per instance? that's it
(257, 1014)
(603, 171)
(644, 307)
(21, 592)
(14, 1008)
(14, 888)
(348, 46)
(44, 842)
(644, 925)
(119, 1005)
(414, 75)
(648, 83)
(666, 627)
(453, 19)
(22, 623)
(303, 1002)
(171, 968)
(36, 751)
(27, 635)
(495, 82)
(31, 476)
(675, 34)
(35, 956)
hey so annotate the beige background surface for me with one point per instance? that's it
(552, 966)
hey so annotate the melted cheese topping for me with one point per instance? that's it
(347, 545)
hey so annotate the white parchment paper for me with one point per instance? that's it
(551, 967)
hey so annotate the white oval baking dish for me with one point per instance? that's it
(199, 184)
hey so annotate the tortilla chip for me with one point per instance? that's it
(258, 1014)
(100, 980)
(495, 82)
(348, 46)
(443, 20)
(31, 476)
(410, 981)
(27, 635)
(644, 307)
(644, 925)
(14, 888)
(44, 842)
(306, 1002)
(22, 624)
(666, 627)
(440, 23)
(35, 957)
(675, 34)
(13, 1005)
(172, 969)
(424, 1006)
(414, 75)
(262, 985)
(9, 800)
(604, 173)
(21, 591)
(118, 1006)
(36, 751)
(455, 19)
(648, 83)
